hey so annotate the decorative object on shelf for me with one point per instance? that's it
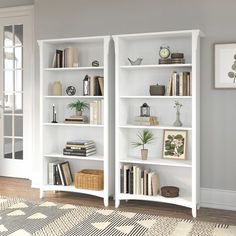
(54, 114)
(89, 179)
(76, 119)
(157, 90)
(57, 88)
(225, 65)
(177, 58)
(95, 63)
(79, 107)
(70, 90)
(145, 110)
(137, 62)
(145, 137)
(86, 86)
(149, 121)
(174, 144)
(177, 122)
(169, 191)
(164, 52)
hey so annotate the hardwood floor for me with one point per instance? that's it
(22, 188)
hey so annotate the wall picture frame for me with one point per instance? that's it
(225, 65)
(174, 144)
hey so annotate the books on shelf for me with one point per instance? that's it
(179, 84)
(136, 180)
(80, 148)
(67, 57)
(151, 120)
(95, 86)
(97, 112)
(76, 120)
(59, 173)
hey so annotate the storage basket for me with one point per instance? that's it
(89, 179)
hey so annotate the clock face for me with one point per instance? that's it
(164, 53)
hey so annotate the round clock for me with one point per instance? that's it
(164, 52)
(70, 91)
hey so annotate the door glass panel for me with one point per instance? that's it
(18, 103)
(8, 102)
(18, 35)
(18, 126)
(9, 58)
(8, 81)
(8, 148)
(7, 125)
(18, 148)
(18, 81)
(8, 36)
(18, 56)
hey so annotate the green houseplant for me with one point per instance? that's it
(144, 137)
(79, 107)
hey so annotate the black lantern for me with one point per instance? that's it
(145, 110)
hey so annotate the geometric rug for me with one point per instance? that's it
(19, 217)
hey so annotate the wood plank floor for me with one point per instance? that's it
(22, 188)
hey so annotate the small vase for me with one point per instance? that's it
(57, 88)
(144, 154)
(178, 123)
(78, 113)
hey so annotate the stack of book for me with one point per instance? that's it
(135, 180)
(82, 148)
(97, 112)
(59, 173)
(65, 58)
(149, 121)
(76, 119)
(180, 84)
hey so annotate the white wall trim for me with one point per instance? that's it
(218, 199)
(16, 11)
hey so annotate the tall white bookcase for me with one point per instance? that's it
(132, 90)
(53, 136)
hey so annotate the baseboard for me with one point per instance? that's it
(218, 199)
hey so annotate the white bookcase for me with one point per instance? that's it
(54, 136)
(132, 90)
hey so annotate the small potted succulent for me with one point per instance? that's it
(79, 107)
(145, 137)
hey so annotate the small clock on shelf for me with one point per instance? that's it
(164, 52)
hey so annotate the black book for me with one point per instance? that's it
(77, 151)
(98, 91)
(80, 142)
(80, 148)
(59, 58)
(79, 154)
(66, 171)
(127, 180)
(57, 176)
(122, 180)
(131, 181)
(177, 85)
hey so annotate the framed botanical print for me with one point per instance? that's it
(174, 144)
(225, 65)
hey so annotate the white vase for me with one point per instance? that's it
(144, 154)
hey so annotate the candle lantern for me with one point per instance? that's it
(145, 110)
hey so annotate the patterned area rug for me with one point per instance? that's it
(19, 217)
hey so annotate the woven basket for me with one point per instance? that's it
(89, 179)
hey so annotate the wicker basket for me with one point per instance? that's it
(89, 179)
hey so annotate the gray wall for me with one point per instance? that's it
(216, 18)
(14, 3)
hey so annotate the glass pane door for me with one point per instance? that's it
(13, 91)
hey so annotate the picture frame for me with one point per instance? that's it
(174, 144)
(225, 65)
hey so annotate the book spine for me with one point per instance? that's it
(134, 179)
(61, 174)
(131, 180)
(181, 84)
(122, 180)
(177, 84)
(91, 112)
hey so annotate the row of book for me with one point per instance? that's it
(97, 112)
(180, 84)
(67, 57)
(93, 86)
(59, 173)
(135, 180)
(82, 148)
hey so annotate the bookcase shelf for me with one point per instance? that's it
(54, 136)
(157, 161)
(132, 91)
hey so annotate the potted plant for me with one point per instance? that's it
(79, 107)
(145, 137)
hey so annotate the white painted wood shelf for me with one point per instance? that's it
(54, 136)
(157, 161)
(132, 91)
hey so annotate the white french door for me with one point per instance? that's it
(16, 69)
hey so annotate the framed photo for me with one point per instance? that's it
(174, 144)
(225, 65)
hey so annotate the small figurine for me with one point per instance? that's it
(95, 63)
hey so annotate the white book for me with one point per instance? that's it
(92, 85)
(99, 112)
(95, 112)
(139, 180)
(181, 85)
(142, 185)
(150, 183)
(102, 112)
(155, 184)
(91, 111)
(174, 75)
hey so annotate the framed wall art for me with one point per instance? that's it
(225, 65)
(174, 144)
